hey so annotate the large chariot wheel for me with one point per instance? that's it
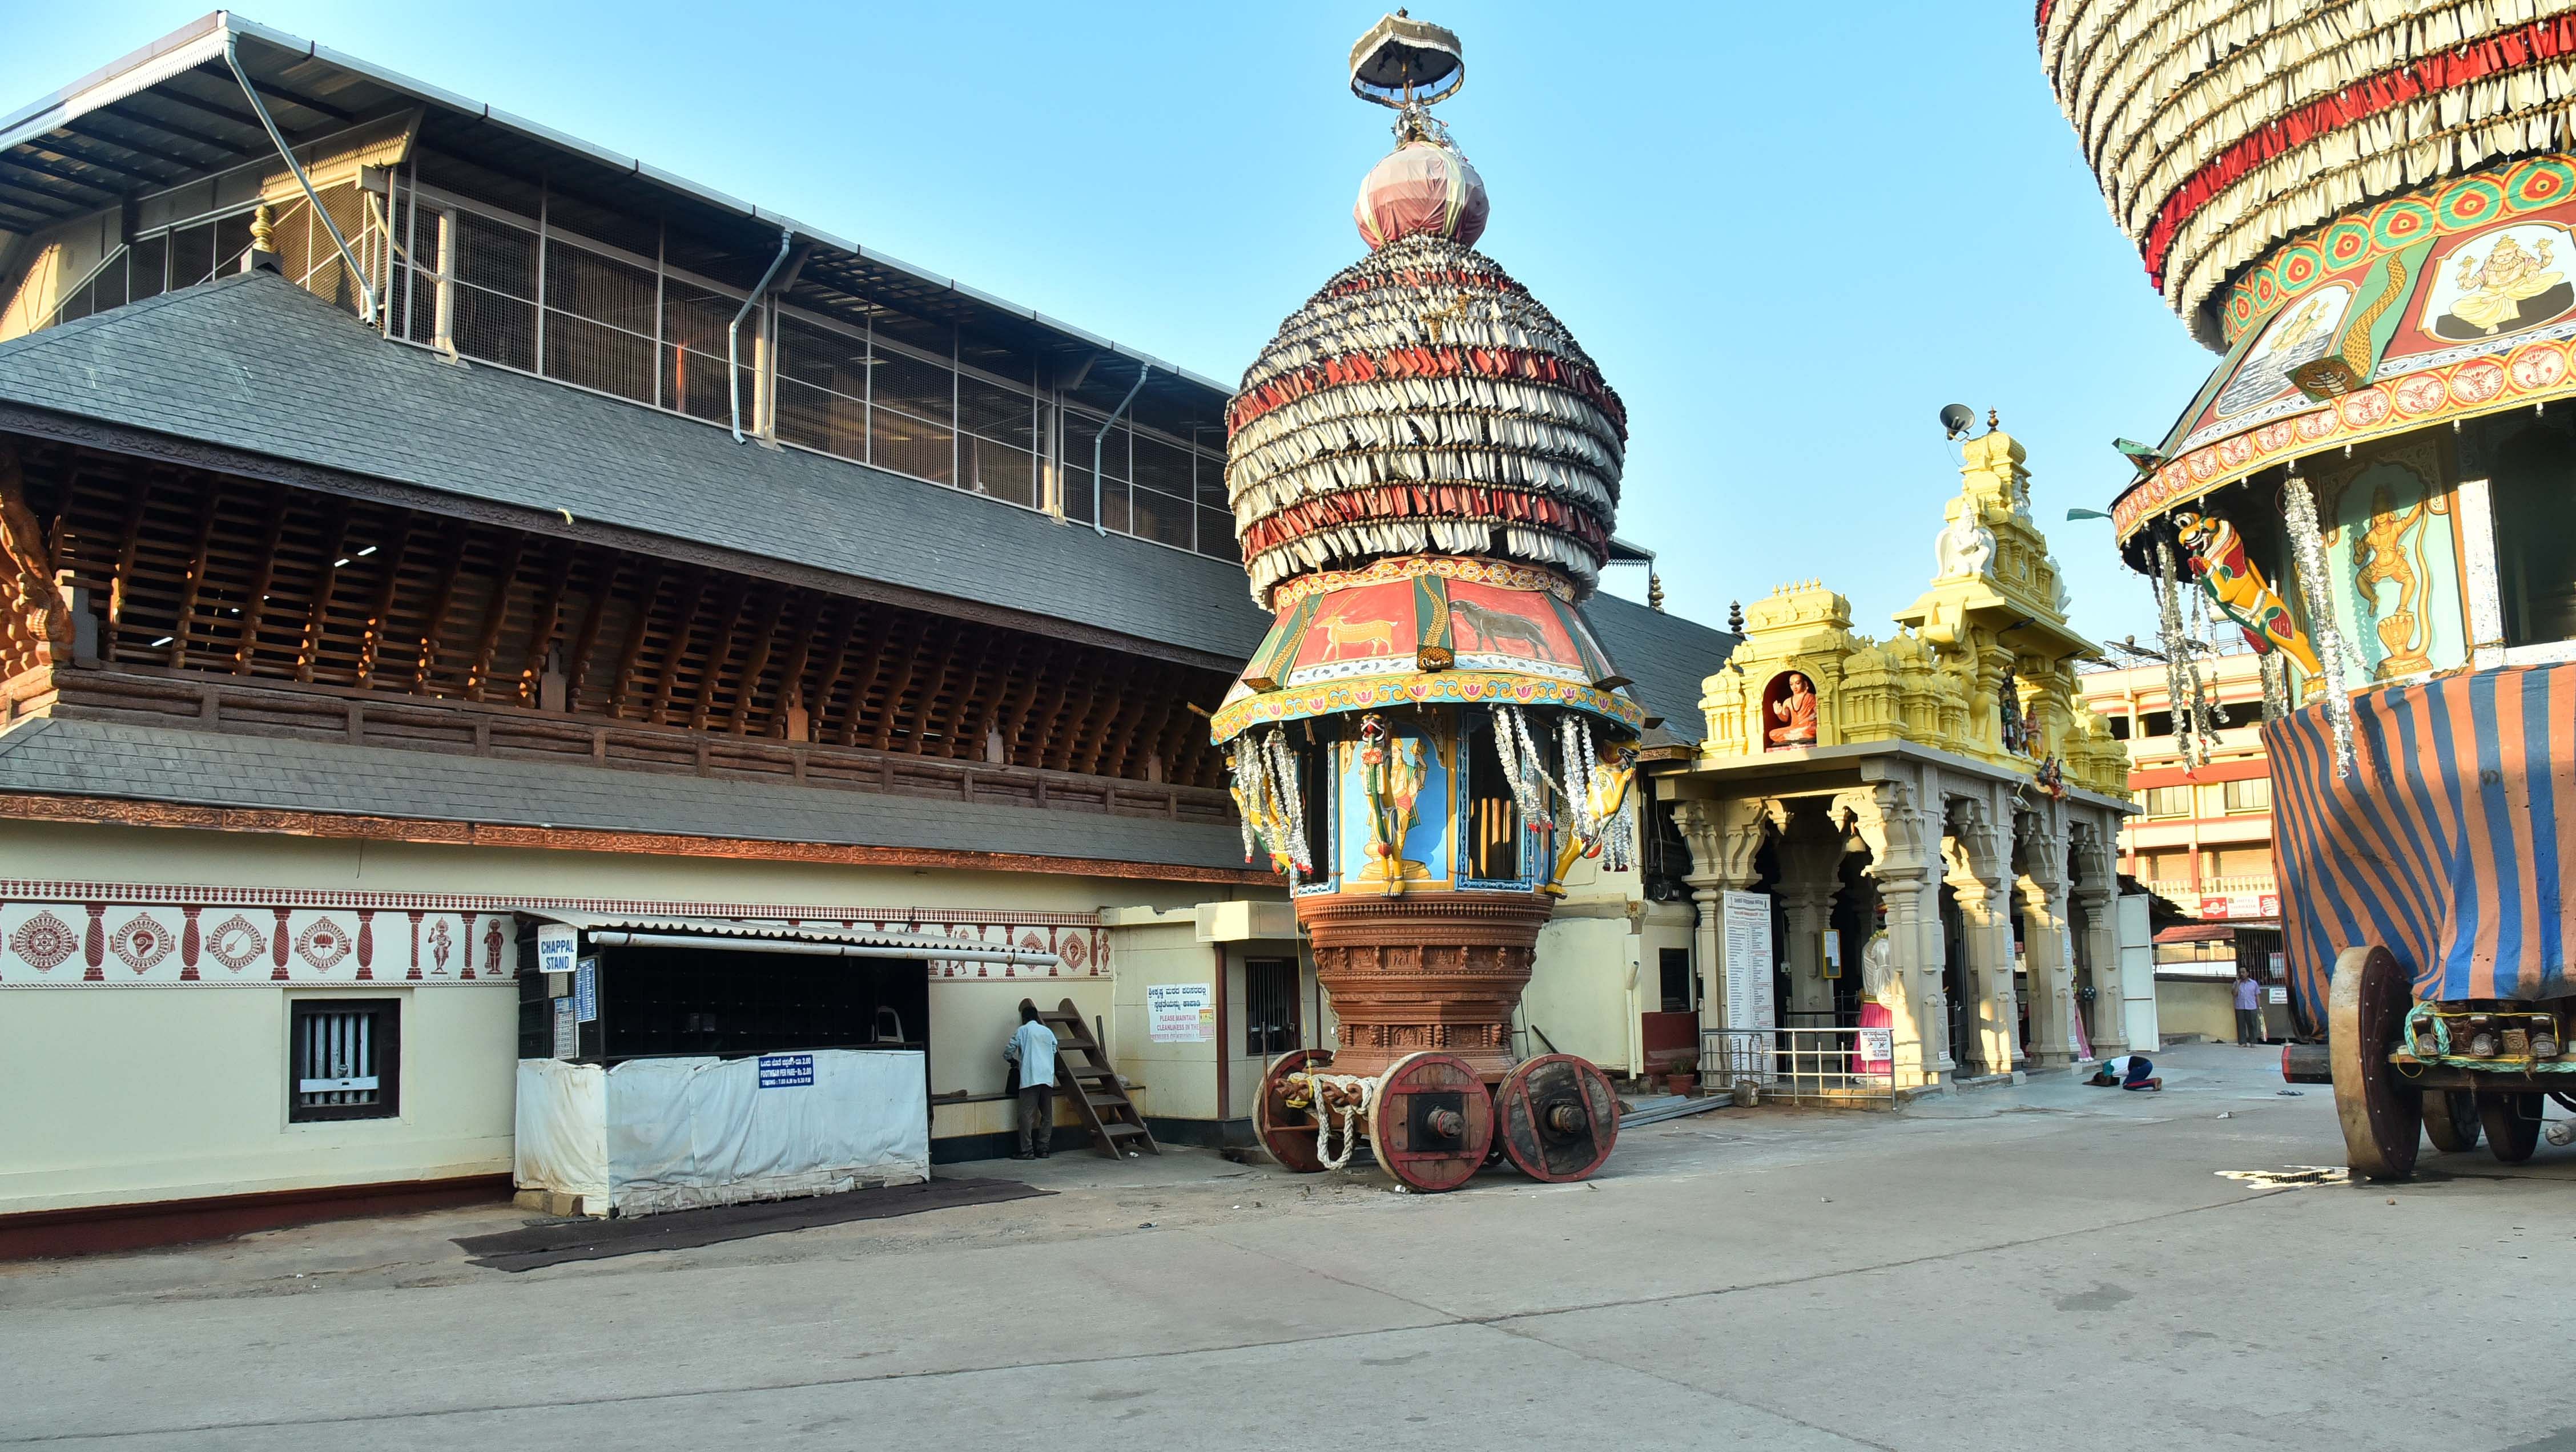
(1557, 1117)
(1288, 1132)
(1431, 1121)
(2512, 1123)
(2451, 1120)
(2382, 1114)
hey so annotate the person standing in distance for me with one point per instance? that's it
(2249, 1009)
(1032, 1048)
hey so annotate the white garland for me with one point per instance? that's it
(2179, 689)
(2308, 552)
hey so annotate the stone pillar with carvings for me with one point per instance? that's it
(2097, 888)
(1724, 838)
(2047, 965)
(1889, 818)
(1978, 856)
(1811, 856)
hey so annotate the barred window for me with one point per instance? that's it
(344, 1059)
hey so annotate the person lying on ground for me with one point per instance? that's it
(2128, 1071)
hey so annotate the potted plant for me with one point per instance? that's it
(1681, 1076)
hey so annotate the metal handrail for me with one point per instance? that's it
(1844, 1065)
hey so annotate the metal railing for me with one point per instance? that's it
(1832, 1066)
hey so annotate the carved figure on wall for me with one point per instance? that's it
(2383, 561)
(1791, 702)
(2217, 555)
(1964, 548)
(1391, 775)
(2014, 731)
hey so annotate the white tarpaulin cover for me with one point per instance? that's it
(690, 1132)
(562, 1128)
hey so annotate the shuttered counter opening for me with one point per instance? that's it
(344, 1059)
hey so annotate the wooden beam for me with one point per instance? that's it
(603, 584)
(943, 682)
(541, 627)
(335, 537)
(136, 502)
(1011, 709)
(496, 613)
(925, 629)
(883, 628)
(181, 628)
(683, 626)
(791, 674)
(1119, 684)
(433, 628)
(389, 558)
(1080, 697)
(655, 575)
(737, 594)
(859, 614)
(761, 648)
(254, 604)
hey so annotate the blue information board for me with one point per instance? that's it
(786, 1071)
(585, 991)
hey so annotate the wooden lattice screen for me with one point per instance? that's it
(207, 572)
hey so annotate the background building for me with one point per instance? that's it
(575, 543)
(2201, 840)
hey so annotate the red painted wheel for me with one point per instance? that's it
(1287, 1131)
(1431, 1121)
(1557, 1117)
(2382, 1114)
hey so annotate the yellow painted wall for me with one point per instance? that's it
(44, 266)
(1153, 948)
(122, 1094)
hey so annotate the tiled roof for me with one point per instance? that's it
(254, 363)
(205, 769)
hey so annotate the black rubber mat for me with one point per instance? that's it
(586, 1239)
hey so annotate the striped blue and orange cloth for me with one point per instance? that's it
(2453, 842)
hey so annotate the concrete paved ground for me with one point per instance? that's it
(2044, 1267)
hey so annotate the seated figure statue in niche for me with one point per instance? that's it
(1791, 703)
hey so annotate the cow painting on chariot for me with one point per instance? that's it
(2378, 488)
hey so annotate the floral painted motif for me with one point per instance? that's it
(323, 943)
(43, 942)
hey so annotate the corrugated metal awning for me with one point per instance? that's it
(748, 935)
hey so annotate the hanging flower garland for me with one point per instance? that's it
(2308, 551)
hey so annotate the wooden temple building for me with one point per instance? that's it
(457, 529)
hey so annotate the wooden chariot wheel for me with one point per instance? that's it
(1557, 1117)
(2451, 1120)
(1286, 1131)
(1431, 1122)
(2512, 1123)
(2382, 1114)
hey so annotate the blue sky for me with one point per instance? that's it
(1788, 233)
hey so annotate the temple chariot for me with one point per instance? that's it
(1424, 471)
(2374, 224)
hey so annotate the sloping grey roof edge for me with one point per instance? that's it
(257, 367)
(203, 39)
(97, 759)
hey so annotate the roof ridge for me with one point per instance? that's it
(105, 318)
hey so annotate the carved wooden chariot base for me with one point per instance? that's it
(1435, 972)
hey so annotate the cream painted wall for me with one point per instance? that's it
(1154, 948)
(1580, 991)
(2196, 1006)
(124, 1094)
(53, 261)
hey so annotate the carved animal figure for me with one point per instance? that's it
(1494, 627)
(2237, 588)
(1378, 635)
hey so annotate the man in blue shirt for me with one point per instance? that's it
(1032, 1049)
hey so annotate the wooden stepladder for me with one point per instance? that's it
(1083, 1071)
